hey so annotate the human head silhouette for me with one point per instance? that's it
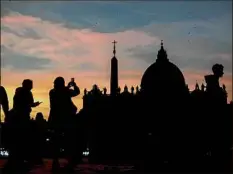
(27, 84)
(59, 82)
(218, 70)
(39, 116)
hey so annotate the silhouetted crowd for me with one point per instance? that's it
(24, 137)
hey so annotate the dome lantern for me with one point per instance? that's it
(162, 54)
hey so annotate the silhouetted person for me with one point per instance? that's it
(62, 113)
(39, 137)
(23, 101)
(80, 139)
(5, 106)
(4, 101)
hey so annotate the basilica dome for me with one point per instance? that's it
(162, 77)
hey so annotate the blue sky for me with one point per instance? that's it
(74, 39)
(121, 15)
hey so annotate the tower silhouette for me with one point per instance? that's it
(114, 72)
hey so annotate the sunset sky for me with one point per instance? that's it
(43, 40)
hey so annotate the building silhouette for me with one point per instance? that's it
(158, 122)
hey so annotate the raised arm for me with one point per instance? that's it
(34, 104)
(74, 92)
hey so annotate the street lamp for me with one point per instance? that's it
(3, 152)
(86, 153)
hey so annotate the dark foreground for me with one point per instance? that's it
(84, 168)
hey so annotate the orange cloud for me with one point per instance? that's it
(63, 45)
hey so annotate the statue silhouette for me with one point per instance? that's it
(132, 90)
(202, 87)
(213, 89)
(95, 90)
(197, 86)
(137, 90)
(224, 87)
(126, 89)
(105, 91)
(212, 81)
(118, 90)
(85, 91)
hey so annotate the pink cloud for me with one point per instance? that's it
(224, 56)
(65, 46)
(17, 18)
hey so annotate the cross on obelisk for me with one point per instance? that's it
(114, 47)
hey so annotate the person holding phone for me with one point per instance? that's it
(23, 100)
(61, 116)
(20, 125)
